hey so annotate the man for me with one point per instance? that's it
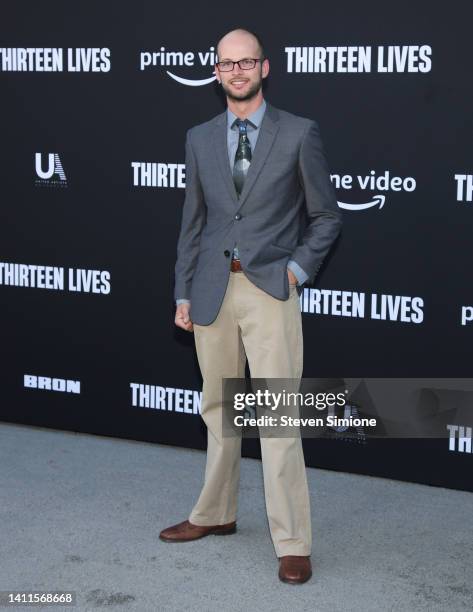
(259, 216)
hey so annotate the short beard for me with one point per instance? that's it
(249, 95)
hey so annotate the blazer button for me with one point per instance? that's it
(237, 216)
(226, 253)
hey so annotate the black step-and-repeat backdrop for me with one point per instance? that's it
(95, 102)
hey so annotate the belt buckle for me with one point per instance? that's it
(235, 265)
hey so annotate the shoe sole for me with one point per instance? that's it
(219, 532)
(289, 581)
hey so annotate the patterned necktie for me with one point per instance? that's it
(242, 155)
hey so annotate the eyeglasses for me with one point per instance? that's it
(244, 64)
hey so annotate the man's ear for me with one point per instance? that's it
(266, 63)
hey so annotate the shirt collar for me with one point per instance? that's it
(256, 117)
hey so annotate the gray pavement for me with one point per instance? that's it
(82, 513)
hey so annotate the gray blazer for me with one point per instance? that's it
(287, 210)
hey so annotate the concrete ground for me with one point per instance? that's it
(82, 513)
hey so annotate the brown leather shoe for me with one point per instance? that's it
(294, 570)
(186, 531)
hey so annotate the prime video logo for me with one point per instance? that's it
(372, 182)
(166, 59)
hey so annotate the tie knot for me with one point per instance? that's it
(241, 125)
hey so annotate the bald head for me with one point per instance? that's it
(242, 86)
(239, 43)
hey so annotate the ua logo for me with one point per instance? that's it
(54, 166)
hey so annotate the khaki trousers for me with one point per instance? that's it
(253, 325)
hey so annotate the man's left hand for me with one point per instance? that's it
(291, 277)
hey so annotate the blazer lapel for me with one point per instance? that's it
(268, 130)
(220, 148)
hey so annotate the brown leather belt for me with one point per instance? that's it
(236, 266)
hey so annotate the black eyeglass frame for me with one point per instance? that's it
(255, 59)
